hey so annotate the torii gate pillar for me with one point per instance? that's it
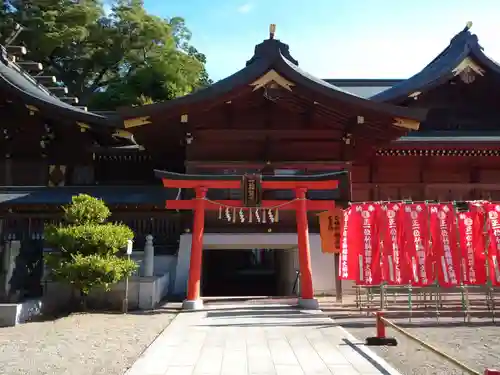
(307, 299)
(193, 300)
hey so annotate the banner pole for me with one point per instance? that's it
(382, 238)
(489, 284)
(434, 266)
(410, 303)
(410, 288)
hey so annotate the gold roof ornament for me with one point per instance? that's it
(137, 121)
(32, 109)
(272, 30)
(272, 77)
(406, 123)
(468, 25)
(83, 126)
(467, 70)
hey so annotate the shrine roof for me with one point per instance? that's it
(37, 195)
(22, 85)
(272, 61)
(464, 51)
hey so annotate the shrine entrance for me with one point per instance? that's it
(246, 273)
(252, 207)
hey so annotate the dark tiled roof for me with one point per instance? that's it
(110, 194)
(272, 54)
(440, 70)
(23, 86)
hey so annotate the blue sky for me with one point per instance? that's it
(334, 38)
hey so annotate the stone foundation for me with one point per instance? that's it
(144, 293)
(12, 314)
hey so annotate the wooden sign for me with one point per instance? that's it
(330, 231)
(252, 190)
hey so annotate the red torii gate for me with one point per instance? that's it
(201, 183)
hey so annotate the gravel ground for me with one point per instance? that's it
(80, 344)
(477, 345)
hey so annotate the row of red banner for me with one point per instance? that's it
(417, 243)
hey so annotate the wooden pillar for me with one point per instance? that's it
(306, 285)
(8, 172)
(193, 301)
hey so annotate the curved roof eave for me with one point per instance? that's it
(241, 78)
(440, 69)
(15, 83)
(297, 75)
(257, 69)
(484, 60)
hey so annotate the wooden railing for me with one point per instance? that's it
(166, 228)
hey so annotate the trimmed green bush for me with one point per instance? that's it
(88, 247)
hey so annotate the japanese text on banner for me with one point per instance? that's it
(471, 224)
(493, 212)
(395, 268)
(370, 272)
(444, 244)
(350, 245)
(417, 244)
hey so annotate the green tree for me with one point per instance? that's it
(110, 59)
(88, 247)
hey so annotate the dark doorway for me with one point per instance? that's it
(238, 273)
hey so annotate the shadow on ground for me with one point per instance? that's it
(265, 316)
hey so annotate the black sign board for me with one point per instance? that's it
(252, 190)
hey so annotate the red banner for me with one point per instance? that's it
(493, 212)
(394, 263)
(447, 257)
(350, 246)
(360, 246)
(417, 249)
(470, 228)
(370, 270)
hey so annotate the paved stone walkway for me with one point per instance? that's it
(265, 340)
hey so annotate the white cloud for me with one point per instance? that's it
(245, 8)
(107, 7)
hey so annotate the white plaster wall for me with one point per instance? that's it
(163, 264)
(322, 264)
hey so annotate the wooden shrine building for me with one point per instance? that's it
(267, 120)
(456, 152)
(432, 136)
(52, 149)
